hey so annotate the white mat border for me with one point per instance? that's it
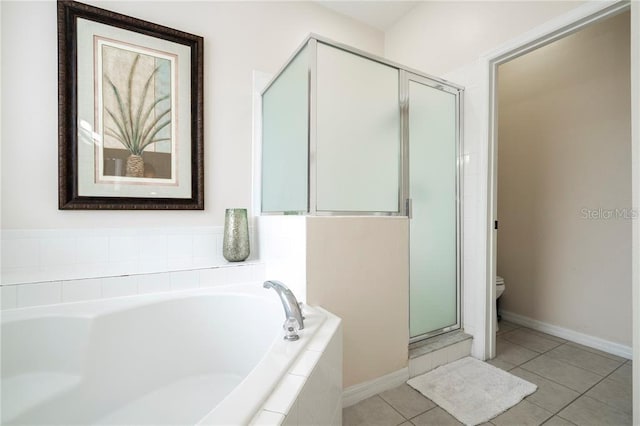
(444, 404)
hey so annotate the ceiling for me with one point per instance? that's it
(378, 14)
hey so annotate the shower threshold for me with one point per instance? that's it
(431, 353)
(436, 343)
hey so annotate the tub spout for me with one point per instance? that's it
(289, 301)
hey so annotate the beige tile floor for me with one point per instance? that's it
(577, 385)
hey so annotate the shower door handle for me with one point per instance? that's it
(409, 208)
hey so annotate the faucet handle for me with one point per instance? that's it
(291, 327)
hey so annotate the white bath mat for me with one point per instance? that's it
(472, 391)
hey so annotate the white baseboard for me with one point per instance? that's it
(356, 393)
(571, 335)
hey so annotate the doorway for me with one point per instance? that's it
(554, 30)
(564, 186)
(572, 24)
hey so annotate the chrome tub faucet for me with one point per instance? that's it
(291, 307)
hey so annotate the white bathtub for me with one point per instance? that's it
(211, 356)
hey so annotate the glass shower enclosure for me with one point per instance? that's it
(348, 133)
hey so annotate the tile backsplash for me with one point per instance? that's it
(58, 255)
(53, 292)
(42, 267)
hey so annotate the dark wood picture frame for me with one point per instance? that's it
(68, 123)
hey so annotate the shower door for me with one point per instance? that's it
(431, 142)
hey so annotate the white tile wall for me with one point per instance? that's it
(123, 249)
(180, 251)
(9, 297)
(21, 253)
(154, 283)
(59, 266)
(153, 247)
(42, 267)
(323, 389)
(281, 399)
(60, 255)
(79, 290)
(68, 291)
(239, 275)
(475, 151)
(268, 418)
(58, 251)
(152, 265)
(39, 294)
(311, 393)
(213, 277)
(185, 280)
(283, 249)
(120, 286)
(90, 249)
(205, 247)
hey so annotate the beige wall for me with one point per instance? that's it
(564, 146)
(239, 37)
(357, 268)
(439, 36)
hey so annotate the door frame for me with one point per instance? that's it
(549, 32)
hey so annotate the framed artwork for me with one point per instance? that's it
(130, 112)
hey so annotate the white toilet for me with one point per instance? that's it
(499, 291)
(499, 286)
